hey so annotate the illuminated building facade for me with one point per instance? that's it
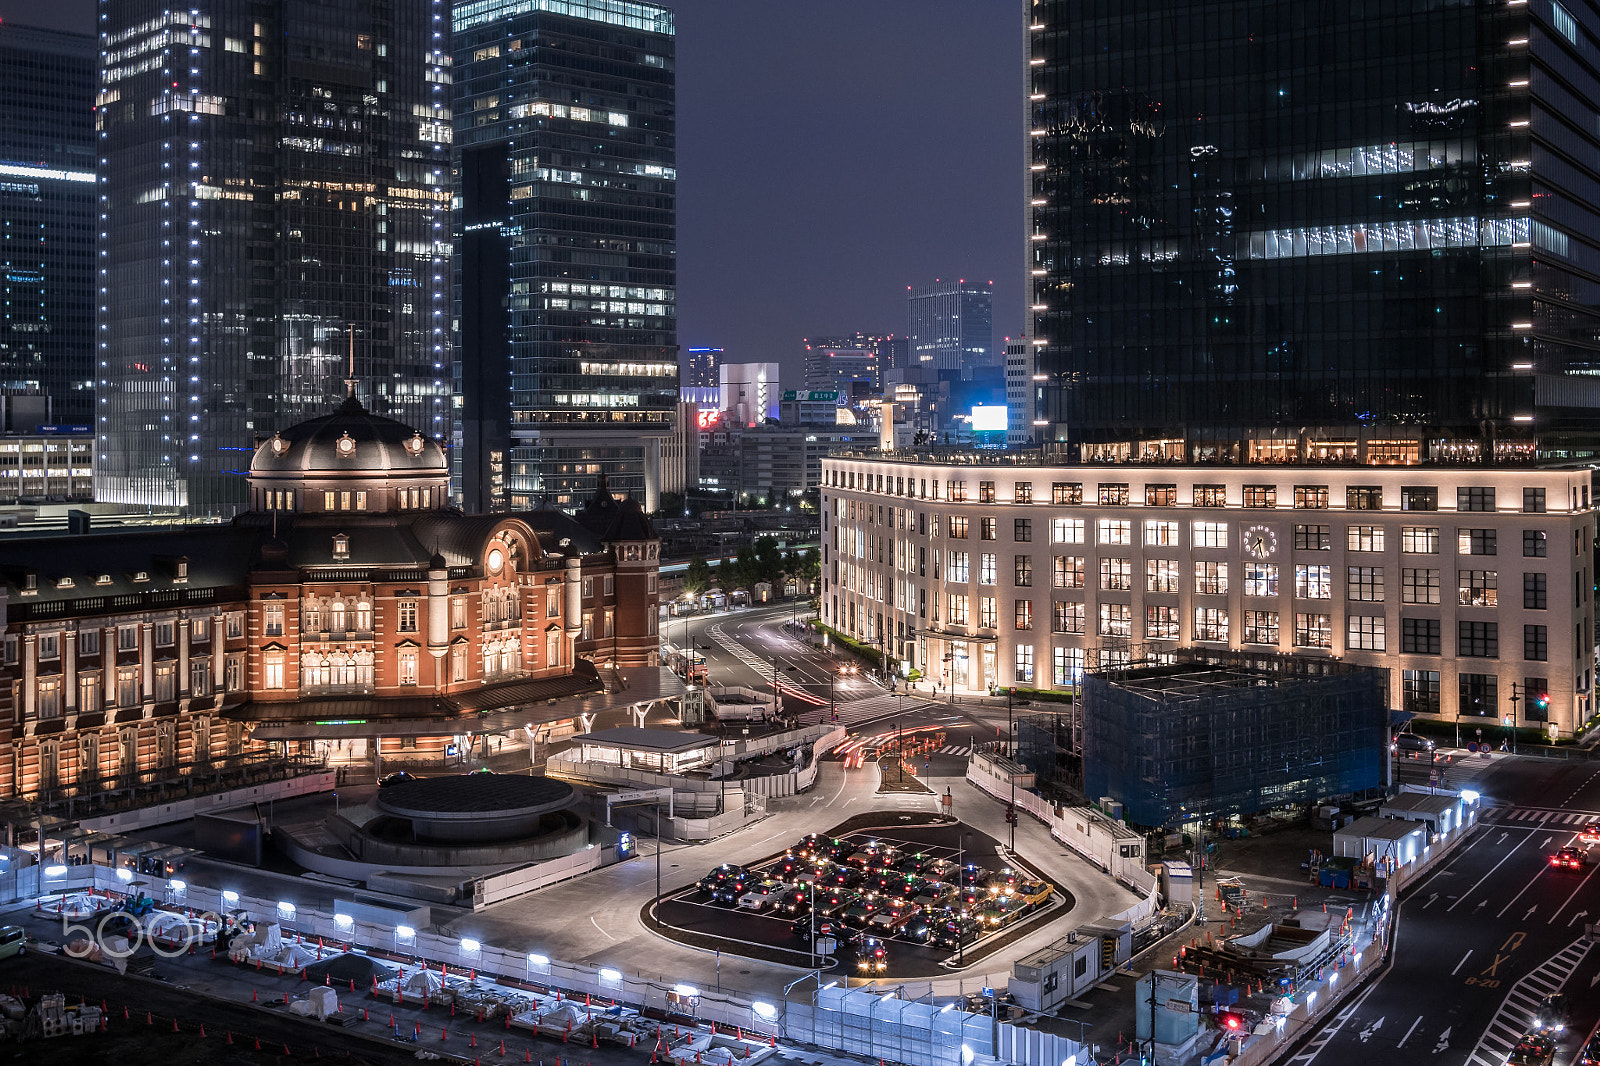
(567, 359)
(47, 84)
(952, 325)
(274, 197)
(1254, 224)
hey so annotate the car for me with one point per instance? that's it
(1590, 834)
(860, 915)
(1034, 893)
(849, 669)
(872, 955)
(1411, 744)
(1589, 1054)
(1534, 1049)
(13, 941)
(840, 933)
(398, 777)
(1568, 859)
(955, 932)
(759, 899)
(794, 900)
(1552, 1015)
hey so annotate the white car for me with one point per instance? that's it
(760, 900)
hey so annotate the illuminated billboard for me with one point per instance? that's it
(989, 419)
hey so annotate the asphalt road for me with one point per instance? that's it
(1481, 939)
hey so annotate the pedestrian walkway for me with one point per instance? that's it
(954, 749)
(1540, 816)
(1511, 1020)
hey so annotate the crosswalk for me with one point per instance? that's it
(1541, 816)
(953, 749)
(1516, 1010)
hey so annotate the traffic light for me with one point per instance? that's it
(1230, 1022)
(1542, 701)
(1011, 814)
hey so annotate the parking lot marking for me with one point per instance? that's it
(603, 933)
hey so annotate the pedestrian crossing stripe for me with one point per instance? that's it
(1539, 816)
(951, 749)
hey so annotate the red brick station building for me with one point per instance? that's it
(351, 613)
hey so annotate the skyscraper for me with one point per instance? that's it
(701, 370)
(952, 325)
(275, 203)
(840, 367)
(47, 86)
(568, 361)
(1353, 231)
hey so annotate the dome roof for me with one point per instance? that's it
(350, 442)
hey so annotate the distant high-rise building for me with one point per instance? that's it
(47, 209)
(275, 190)
(840, 368)
(750, 392)
(566, 287)
(1019, 393)
(700, 370)
(1266, 247)
(952, 325)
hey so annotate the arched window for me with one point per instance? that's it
(337, 613)
(553, 648)
(508, 656)
(364, 617)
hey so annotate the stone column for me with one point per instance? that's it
(219, 643)
(69, 670)
(108, 664)
(183, 657)
(30, 675)
(147, 647)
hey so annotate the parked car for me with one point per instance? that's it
(395, 778)
(1411, 744)
(1534, 1049)
(13, 941)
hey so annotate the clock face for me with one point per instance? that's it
(1261, 542)
(496, 560)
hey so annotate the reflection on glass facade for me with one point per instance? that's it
(566, 298)
(274, 197)
(47, 83)
(1258, 225)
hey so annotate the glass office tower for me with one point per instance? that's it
(952, 325)
(47, 86)
(1348, 230)
(275, 202)
(567, 366)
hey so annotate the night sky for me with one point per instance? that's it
(830, 153)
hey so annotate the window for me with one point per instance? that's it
(49, 699)
(1260, 579)
(1533, 544)
(1419, 691)
(1116, 620)
(1313, 581)
(958, 527)
(128, 638)
(588, 587)
(1419, 636)
(1068, 572)
(1314, 497)
(89, 642)
(1533, 501)
(608, 585)
(1475, 499)
(958, 610)
(233, 673)
(1479, 694)
(1536, 643)
(1261, 496)
(1023, 614)
(1211, 578)
(1475, 542)
(89, 693)
(166, 682)
(988, 615)
(1022, 571)
(1114, 495)
(1115, 532)
(1419, 586)
(1419, 540)
(1364, 584)
(1068, 665)
(128, 686)
(272, 669)
(1537, 688)
(1210, 534)
(1024, 671)
(1419, 498)
(1116, 574)
(235, 624)
(1211, 496)
(408, 667)
(1161, 495)
(1161, 534)
(958, 491)
(458, 663)
(364, 617)
(272, 619)
(336, 616)
(1476, 588)
(1478, 640)
(1313, 631)
(985, 492)
(1534, 592)
(987, 568)
(1066, 492)
(1261, 627)
(1364, 632)
(1066, 530)
(1160, 622)
(1363, 498)
(49, 645)
(1022, 530)
(200, 677)
(1211, 623)
(408, 616)
(1312, 538)
(1364, 538)
(1022, 492)
(1161, 575)
(458, 613)
(988, 529)
(1067, 617)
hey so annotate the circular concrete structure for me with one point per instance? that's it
(475, 808)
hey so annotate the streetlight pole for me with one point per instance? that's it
(658, 851)
(1514, 699)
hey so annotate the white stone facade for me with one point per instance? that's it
(1462, 581)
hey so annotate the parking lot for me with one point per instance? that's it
(908, 901)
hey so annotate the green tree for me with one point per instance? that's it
(697, 576)
(769, 561)
(671, 505)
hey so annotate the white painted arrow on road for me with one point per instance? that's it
(1503, 836)
(1575, 917)
(1366, 1034)
(1444, 1042)
(1548, 841)
(1482, 903)
(1531, 909)
(1430, 900)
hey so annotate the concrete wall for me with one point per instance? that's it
(182, 810)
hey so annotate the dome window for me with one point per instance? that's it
(279, 445)
(414, 445)
(346, 445)
(341, 546)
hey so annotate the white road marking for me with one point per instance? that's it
(603, 933)
(1570, 898)
(1462, 963)
(1409, 1031)
(1486, 876)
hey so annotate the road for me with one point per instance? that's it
(1481, 939)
